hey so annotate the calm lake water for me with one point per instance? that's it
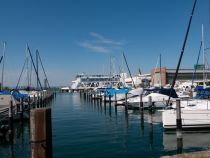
(87, 129)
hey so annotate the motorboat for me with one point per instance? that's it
(159, 97)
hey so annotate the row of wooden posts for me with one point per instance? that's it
(89, 94)
(40, 123)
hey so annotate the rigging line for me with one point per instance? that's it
(182, 51)
(160, 72)
(195, 69)
(1, 59)
(207, 63)
(34, 67)
(30, 77)
(129, 70)
(43, 69)
(20, 75)
(37, 68)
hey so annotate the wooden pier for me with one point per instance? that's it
(23, 110)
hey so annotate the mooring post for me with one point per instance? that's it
(21, 109)
(11, 118)
(126, 101)
(109, 99)
(179, 127)
(141, 103)
(100, 95)
(84, 94)
(150, 102)
(34, 101)
(94, 94)
(41, 133)
(178, 120)
(88, 94)
(38, 100)
(29, 103)
(115, 99)
(42, 99)
(104, 99)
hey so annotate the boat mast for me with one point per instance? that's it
(204, 83)
(34, 68)
(37, 68)
(128, 70)
(2, 75)
(182, 51)
(27, 67)
(156, 66)
(160, 73)
(43, 69)
(195, 68)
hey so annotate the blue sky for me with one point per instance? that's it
(75, 36)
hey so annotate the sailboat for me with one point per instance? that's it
(195, 112)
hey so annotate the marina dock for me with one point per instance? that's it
(12, 111)
(201, 154)
(123, 79)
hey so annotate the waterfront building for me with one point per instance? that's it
(165, 76)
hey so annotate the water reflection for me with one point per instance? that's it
(17, 146)
(192, 141)
(142, 122)
(150, 129)
(113, 128)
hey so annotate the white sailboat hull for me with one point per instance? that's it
(190, 118)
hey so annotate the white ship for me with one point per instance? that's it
(84, 81)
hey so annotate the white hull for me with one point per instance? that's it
(190, 118)
(158, 100)
(131, 93)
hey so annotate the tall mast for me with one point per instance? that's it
(2, 75)
(128, 70)
(27, 67)
(160, 73)
(34, 68)
(182, 50)
(195, 68)
(37, 68)
(43, 70)
(204, 84)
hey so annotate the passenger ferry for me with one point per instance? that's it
(84, 81)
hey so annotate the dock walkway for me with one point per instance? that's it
(200, 154)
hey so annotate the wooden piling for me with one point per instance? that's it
(41, 133)
(29, 103)
(38, 100)
(115, 99)
(100, 95)
(126, 101)
(21, 109)
(11, 118)
(150, 120)
(104, 99)
(34, 101)
(178, 120)
(41, 99)
(150, 102)
(141, 102)
(109, 99)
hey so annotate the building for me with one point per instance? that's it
(163, 76)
